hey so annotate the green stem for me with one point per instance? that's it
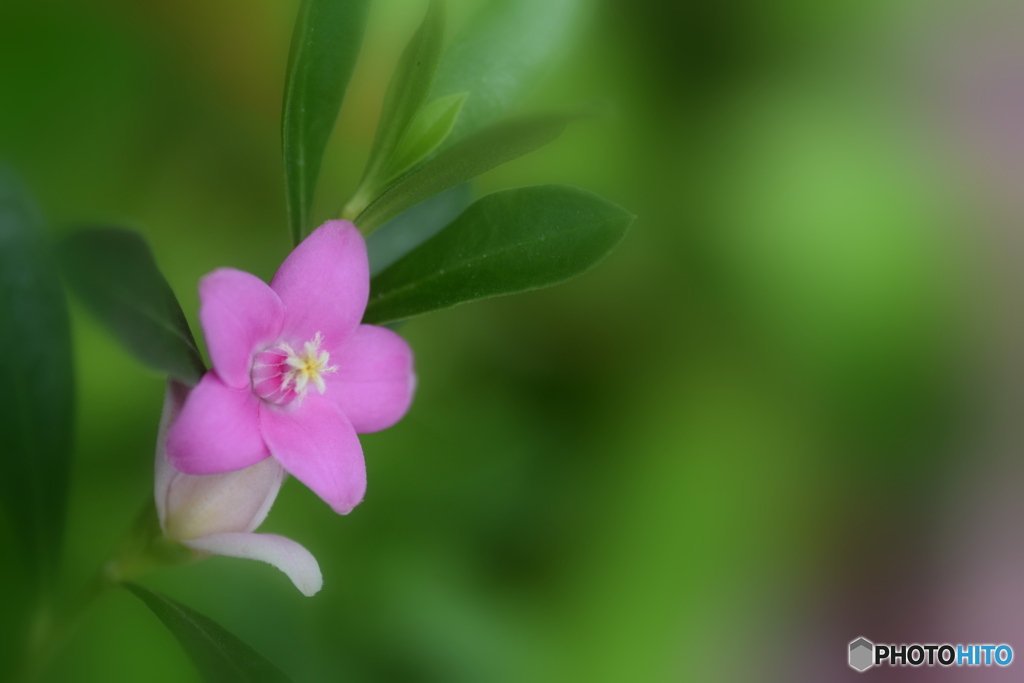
(143, 549)
(50, 629)
(355, 206)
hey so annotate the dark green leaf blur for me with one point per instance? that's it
(114, 273)
(218, 655)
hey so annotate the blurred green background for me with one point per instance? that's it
(678, 467)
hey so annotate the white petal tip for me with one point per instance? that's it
(296, 562)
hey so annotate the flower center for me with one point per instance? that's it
(281, 374)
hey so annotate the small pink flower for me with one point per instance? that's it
(218, 513)
(294, 374)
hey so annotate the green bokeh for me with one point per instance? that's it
(630, 477)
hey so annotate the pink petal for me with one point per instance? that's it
(217, 431)
(324, 284)
(240, 315)
(316, 443)
(374, 382)
(190, 506)
(284, 553)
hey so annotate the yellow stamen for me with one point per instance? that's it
(307, 367)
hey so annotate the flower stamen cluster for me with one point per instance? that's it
(282, 375)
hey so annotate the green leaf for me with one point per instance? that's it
(507, 242)
(324, 51)
(410, 85)
(464, 161)
(499, 55)
(113, 272)
(219, 655)
(428, 130)
(36, 403)
(409, 229)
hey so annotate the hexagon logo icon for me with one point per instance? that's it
(862, 654)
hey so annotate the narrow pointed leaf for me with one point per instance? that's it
(411, 228)
(324, 51)
(218, 655)
(507, 242)
(113, 272)
(426, 133)
(464, 161)
(36, 375)
(410, 85)
(500, 54)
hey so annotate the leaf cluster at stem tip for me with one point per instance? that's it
(446, 119)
